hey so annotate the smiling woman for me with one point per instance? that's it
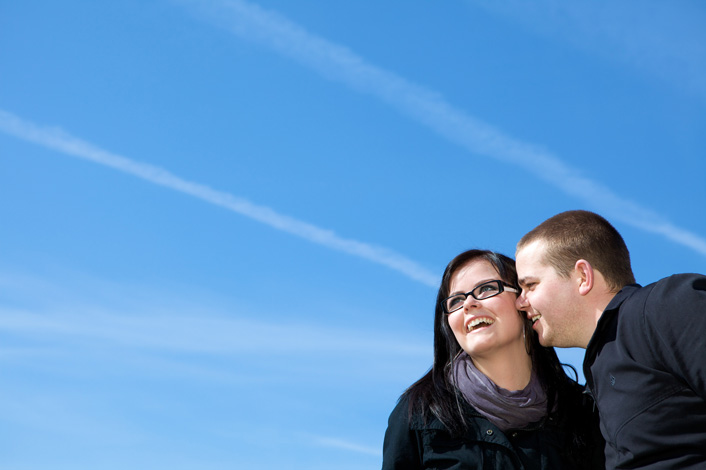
(494, 394)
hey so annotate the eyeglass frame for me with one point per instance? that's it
(502, 287)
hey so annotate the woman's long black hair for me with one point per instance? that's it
(434, 394)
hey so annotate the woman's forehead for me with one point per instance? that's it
(472, 272)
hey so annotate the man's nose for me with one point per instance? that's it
(521, 301)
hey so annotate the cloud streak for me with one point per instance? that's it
(345, 445)
(60, 141)
(629, 32)
(429, 108)
(198, 334)
(91, 311)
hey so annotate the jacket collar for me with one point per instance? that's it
(605, 330)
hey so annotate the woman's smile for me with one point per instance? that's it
(478, 323)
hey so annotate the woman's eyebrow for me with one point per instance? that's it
(477, 284)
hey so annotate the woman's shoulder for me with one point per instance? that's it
(400, 413)
(414, 414)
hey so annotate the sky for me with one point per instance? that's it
(224, 222)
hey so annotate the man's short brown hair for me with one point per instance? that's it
(574, 235)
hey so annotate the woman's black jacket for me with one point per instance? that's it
(411, 444)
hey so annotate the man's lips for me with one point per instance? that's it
(534, 319)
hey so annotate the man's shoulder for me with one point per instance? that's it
(661, 310)
(667, 292)
(677, 283)
(676, 293)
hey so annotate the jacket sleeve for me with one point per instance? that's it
(675, 316)
(402, 448)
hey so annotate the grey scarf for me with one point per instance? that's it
(504, 408)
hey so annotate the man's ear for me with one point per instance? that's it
(585, 276)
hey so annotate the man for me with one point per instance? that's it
(645, 347)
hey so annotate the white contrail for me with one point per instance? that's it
(346, 445)
(338, 63)
(190, 332)
(626, 32)
(58, 140)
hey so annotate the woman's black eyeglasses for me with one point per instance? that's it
(484, 291)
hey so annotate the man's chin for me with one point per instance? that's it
(543, 339)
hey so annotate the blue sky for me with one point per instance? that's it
(223, 222)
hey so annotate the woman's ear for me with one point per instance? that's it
(584, 275)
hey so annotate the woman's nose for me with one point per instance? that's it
(470, 302)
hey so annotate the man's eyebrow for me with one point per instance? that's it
(525, 280)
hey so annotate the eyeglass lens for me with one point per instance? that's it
(483, 291)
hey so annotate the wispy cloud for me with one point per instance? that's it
(345, 445)
(58, 140)
(74, 315)
(627, 33)
(106, 330)
(198, 333)
(429, 108)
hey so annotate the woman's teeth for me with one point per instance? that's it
(479, 321)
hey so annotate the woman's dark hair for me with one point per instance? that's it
(435, 394)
